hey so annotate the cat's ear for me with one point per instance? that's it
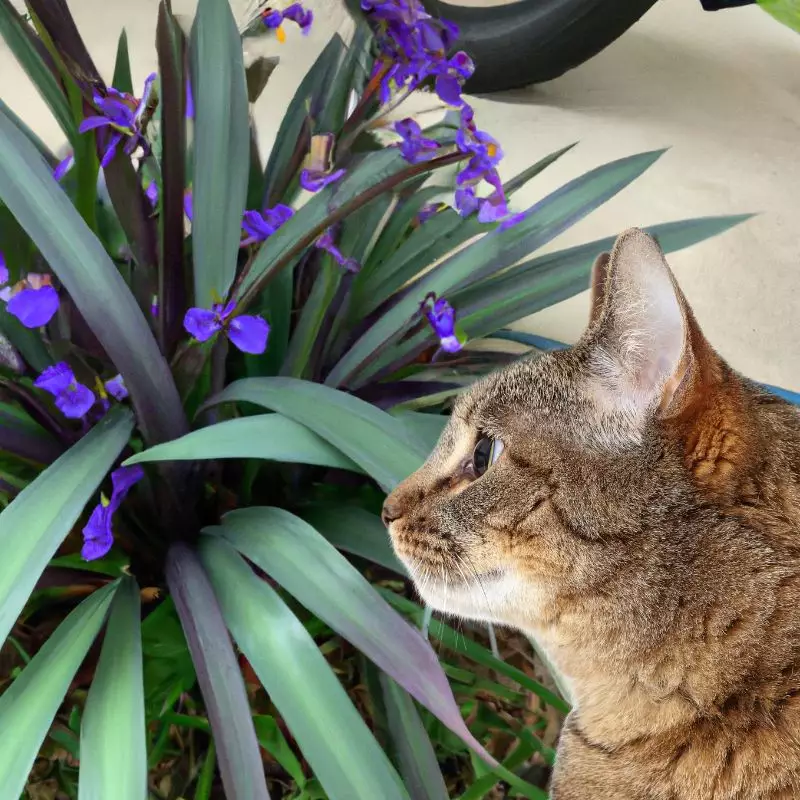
(597, 286)
(646, 344)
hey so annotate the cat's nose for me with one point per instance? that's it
(391, 512)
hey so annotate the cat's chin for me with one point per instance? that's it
(485, 597)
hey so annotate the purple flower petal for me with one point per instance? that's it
(297, 14)
(249, 334)
(492, 209)
(75, 401)
(55, 379)
(122, 479)
(442, 318)
(189, 100)
(450, 344)
(154, 306)
(188, 204)
(256, 227)
(116, 387)
(111, 150)
(272, 18)
(97, 534)
(201, 323)
(449, 90)
(511, 221)
(3, 269)
(90, 123)
(313, 181)
(277, 215)
(63, 167)
(34, 307)
(466, 201)
(151, 192)
(146, 92)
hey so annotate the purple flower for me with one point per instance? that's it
(428, 211)
(314, 180)
(188, 204)
(154, 306)
(64, 166)
(189, 100)
(326, 243)
(466, 201)
(442, 318)
(121, 115)
(98, 535)
(73, 399)
(151, 192)
(34, 307)
(248, 333)
(259, 226)
(3, 269)
(295, 12)
(415, 147)
(116, 387)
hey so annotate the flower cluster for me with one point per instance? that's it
(260, 225)
(73, 399)
(122, 115)
(248, 333)
(33, 300)
(273, 19)
(414, 48)
(98, 534)
(442, 317)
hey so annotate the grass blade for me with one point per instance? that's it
(113, 744)
(221, 149)
(36, 522)
(218, 674)
(268, 436)
(334, 739)
(29, 705)
(305, 564)
(377, 442)
(93, 282)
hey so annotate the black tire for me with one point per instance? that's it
(532, 41)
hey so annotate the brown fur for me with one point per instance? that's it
(642, 524)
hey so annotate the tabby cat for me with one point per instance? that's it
(632, 503)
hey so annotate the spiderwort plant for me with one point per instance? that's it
(347, 260)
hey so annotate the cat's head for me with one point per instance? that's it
(542, 478)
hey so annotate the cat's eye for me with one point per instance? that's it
(486, 452)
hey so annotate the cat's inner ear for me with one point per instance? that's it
(640, 337)
(597, 286)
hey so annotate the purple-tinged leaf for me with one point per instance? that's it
(414, 753)
(218, 674)
(92, 281)
(332, 735)
(26, 440)
(171, 46)
(305, 564)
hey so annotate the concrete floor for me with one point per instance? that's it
(722, 89)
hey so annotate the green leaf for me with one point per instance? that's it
(29, 705)
(305, 564)
(333, 737)
(785, 11)
(113, 743)
(356, 531)
(377, 442)
(122, 80)
(413, 750)
(46, 152)
(92, 282)
(459, 643)
(283, 160)
(268, 436)
(36, 522)
(427, 427)
(541, 281)
(376, 173)
(440, 235)
(221, 149)
(496, 250)
(274, 742)
(21, 42)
